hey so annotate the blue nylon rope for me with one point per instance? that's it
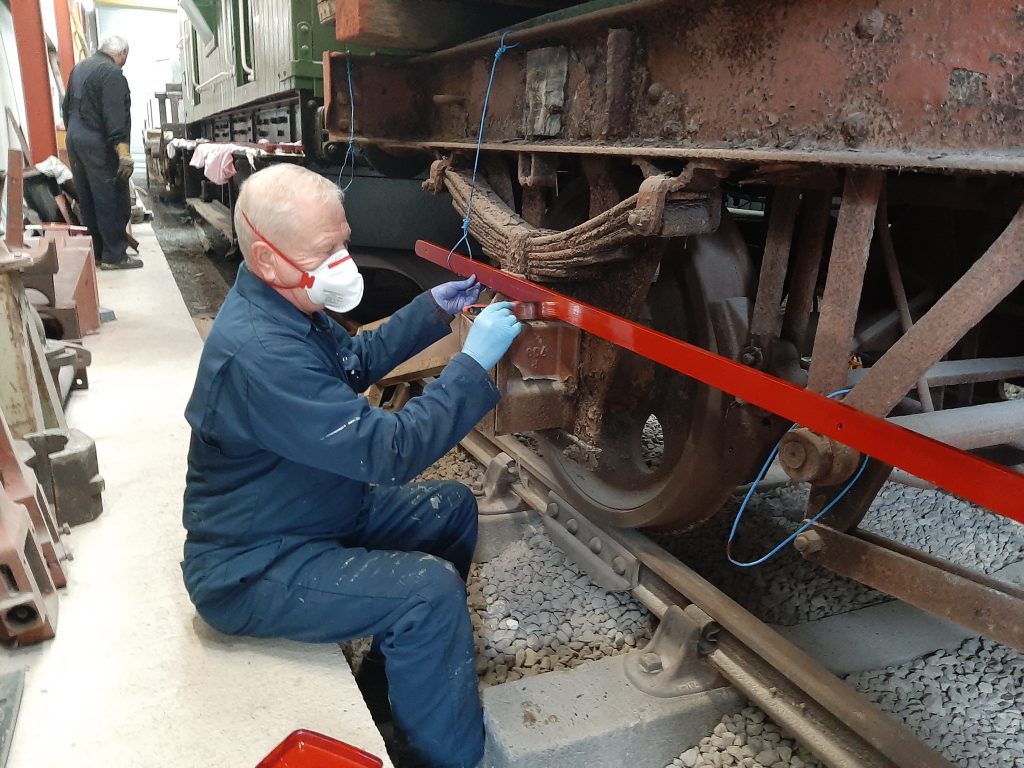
(350, 152)
(502, 49)
(806, 524)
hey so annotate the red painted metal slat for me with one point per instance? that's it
(35, 78)
(983, 482)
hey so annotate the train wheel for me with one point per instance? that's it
(662, 460)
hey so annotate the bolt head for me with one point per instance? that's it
(650, 663)
(619, 565)
(794, 455)
(553, 510)
(751, 356)
(870, 25)
(595, 545)
(572, 526)
(655, 92)
(808, 542)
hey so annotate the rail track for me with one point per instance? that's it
(704, 632)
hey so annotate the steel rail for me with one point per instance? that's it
(983, 482)
(822, 712)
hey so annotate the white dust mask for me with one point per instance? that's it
(336, 284)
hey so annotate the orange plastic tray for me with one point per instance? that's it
(309, 749)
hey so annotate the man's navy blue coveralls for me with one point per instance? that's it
(97, 115)
(298, 523)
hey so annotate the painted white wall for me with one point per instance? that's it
(10, 85)
(152, 57)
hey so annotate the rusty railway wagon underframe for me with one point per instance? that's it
(883, 143)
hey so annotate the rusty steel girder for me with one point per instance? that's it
(896, 83)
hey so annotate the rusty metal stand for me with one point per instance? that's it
(32, 556)
(28, 594)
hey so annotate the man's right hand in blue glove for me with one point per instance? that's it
(493, 331)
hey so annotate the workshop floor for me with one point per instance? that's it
(133, 677)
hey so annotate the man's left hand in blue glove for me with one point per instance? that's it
(455, 296)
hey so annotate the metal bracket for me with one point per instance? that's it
(498, 498)
(603, 558)
(67, 468)
(671, 665)
(434, 183)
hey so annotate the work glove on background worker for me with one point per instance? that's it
(125, 164)
(455, 296)
(493, 332)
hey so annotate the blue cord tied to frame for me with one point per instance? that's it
(805, 525)
(350, 152)
(501, 50)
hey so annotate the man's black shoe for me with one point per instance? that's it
(129, 262)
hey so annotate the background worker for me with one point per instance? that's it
(97, 117)
(286, 535)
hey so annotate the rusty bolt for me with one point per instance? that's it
(595, 545)
(571, 525)
(618, 565)
(638, 219)
(870, 24)
(655, 92)
(673, 128)
(650, 663)
(553, 510)
(855, 128)
(794, 455)
(808, 542)
(808, 457)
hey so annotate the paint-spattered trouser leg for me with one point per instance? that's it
(400, 578)
(103, 199)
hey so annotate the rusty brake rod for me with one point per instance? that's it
(983, 482)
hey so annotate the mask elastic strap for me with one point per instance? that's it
(307, 279)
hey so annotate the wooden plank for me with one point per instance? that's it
(546, 73)
(215, 213)
(430, 362)
(19, 395)
(15, 200)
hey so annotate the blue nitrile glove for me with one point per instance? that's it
(455, 296)
(493, 331)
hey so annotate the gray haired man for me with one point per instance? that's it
(97, 116)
